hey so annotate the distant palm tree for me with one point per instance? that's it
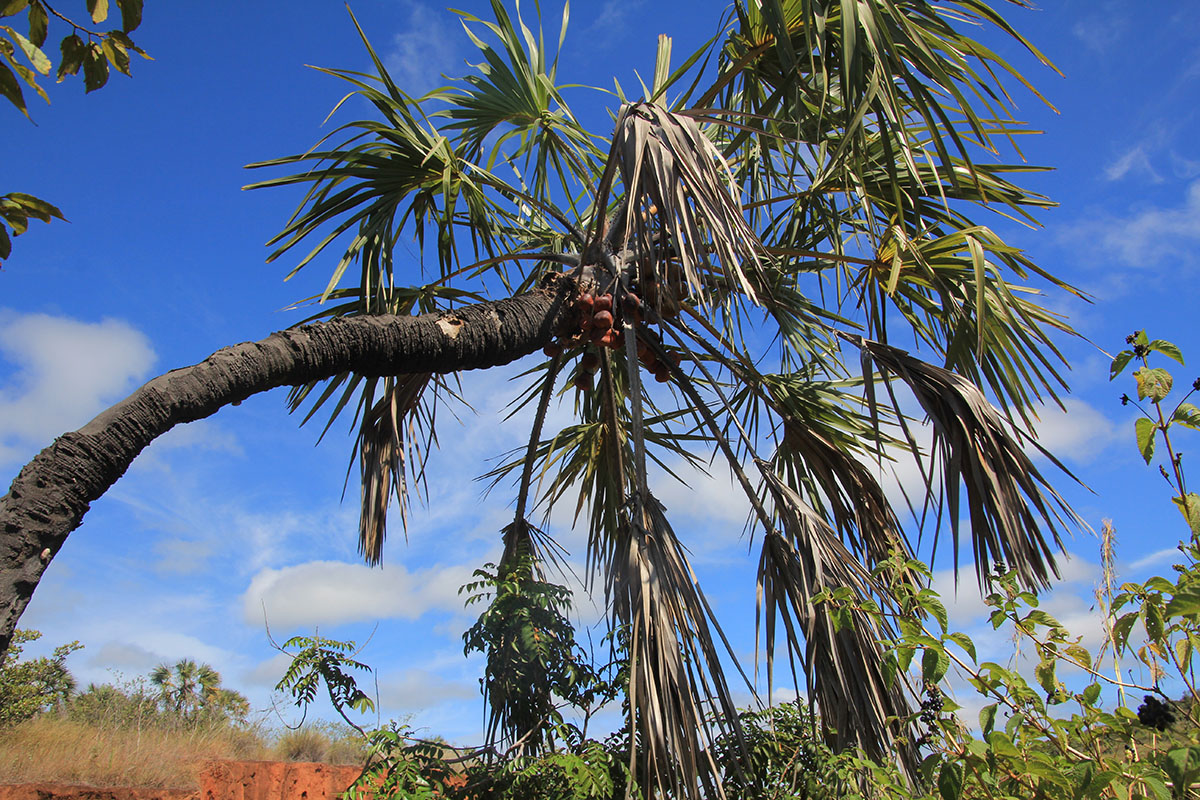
(187, 687)
(754, 233)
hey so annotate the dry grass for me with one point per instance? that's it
(57, 749)
(50, 748)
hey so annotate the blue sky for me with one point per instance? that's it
(163, 262)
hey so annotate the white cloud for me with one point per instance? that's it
(417, 688)
(335, 592)
(426, 50)
(1146, 237)
(67, 371)
(1079, 433)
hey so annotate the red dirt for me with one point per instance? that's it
(219, 780)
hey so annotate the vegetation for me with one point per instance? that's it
(24, 60)
(753, 228)
(30, 686)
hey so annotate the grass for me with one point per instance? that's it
(106, 752)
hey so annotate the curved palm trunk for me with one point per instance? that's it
(49, 497)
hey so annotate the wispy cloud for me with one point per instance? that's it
(1100, 31)
(429, 46)
(1134, 161)
(1145, 237)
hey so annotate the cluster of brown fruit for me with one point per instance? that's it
(598, 325)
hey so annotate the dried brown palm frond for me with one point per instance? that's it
(674, 662)
(386, 446)
(839, 647)
(681, 206)
(1011, 505)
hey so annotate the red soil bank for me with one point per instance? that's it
(219, 780)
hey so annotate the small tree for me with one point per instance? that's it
(34, 685)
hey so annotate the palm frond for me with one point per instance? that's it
(681, 205)
(674, 660)
(386, 448)
(1012, 507)
(838, 646)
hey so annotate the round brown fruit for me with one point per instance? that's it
(662, 375)
(589, 362)
(585, 302)
(553, 349)
(603, 320)
(603, 303)
(583, 381)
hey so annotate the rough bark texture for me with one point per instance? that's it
(52, 493)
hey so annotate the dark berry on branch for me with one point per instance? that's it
(1155, 714)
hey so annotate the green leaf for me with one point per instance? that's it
(95, 68)
(5, 244)
(131, 14)
(1153, 382)
(1044, 672)
(98, 9)
(1167, 349)
(934, 663)
(1119, 363)
(10, 7)
(116, 53)
(1141, 338)
(1187, 415)
(32, 52)
(1145, 437)
(1185, 601)
(987, 719)
(10, 88)
(950, 781)
(38, 22)
(1091, 694)
(73, 52)
(1153, 620)
(963, 641)
(1190, 508)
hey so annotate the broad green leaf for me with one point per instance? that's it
(5, 244)
(950, 781)
(987, 719)
(39, 20)
(131, 14)
(1152, 618)
(32, 52)
(1167, 349)
(963, 641)
(1185, 601)
(1044, 672)
(95, 68)
(1190, 508)
(10, 7)
(73, 53)
(934, 664)
(10, 88)
(116, 54)
(1141, 338)
(1145, 437)
(1091, 694)
(1153, 382)
(1119, 363)
(1187, 415)
(98, 9)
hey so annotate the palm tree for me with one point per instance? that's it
(752, 232)
(187, 688)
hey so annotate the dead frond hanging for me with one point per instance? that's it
(674, 661)
(1011, 505)
(386, 445)
(838, 644)
(681, 214)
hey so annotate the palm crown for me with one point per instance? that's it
(791, 196)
